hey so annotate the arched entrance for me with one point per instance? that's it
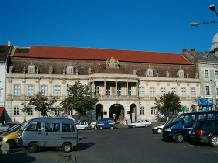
(116, 111)
(99, 111)
(133, 112)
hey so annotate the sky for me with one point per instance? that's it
(144, 25)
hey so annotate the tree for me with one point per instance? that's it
(80, 98)
(41, 103)
(168, 103)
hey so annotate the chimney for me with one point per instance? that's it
(9, 43)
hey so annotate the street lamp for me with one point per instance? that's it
(213, 8)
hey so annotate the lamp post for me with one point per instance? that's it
(213, 8)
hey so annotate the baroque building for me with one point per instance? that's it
(126, 82)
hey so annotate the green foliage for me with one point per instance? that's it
(40, 103)
(169, 102)
(80, 98)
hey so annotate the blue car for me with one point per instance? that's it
(105, 123)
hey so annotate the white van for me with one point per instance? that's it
(48, 132)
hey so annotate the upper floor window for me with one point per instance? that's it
(150, 72)
(118, 89)
(216, 74)
(207, 90)
(181, 73)
(97, 88)
(141, 92)
(152, 92)
(30, 90)
(16, 90)
(193, 92)
(69, 69)
(173, 89)
(183, 92)
(206, 74)
(31, 68)
(108, 91)
(43, 90)
(163, 91)
(56, 112)
(57, 90)
(129, 90)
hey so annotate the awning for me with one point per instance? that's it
(1, 111)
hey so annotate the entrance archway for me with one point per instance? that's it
(116, 111)
(99, 111)
(133, 112)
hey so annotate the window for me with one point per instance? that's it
(17, 90)
(216, 74)
(129, 90)
(57, 90)
(150, 72)
(30, 90)
(206, 74)
(97, 88)
(207, 90)
(163, 91)
(193, 92)
(142, 111)
(33, 126)
(68, 127)
(56, 112)
(153, 110)
(16, 111)
(118, 89)
(31, 69)
(52, 127)
(152, 92)
(69, 69)
(141, 92)
(30, 111)
(173, 89)
(108, 91)
(183, 92)
(43, 90)
(181, 73)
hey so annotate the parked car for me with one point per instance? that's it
(158, 129)
(205, 131)
(3, 128)
(93, 124)
(82, 125)
(11, 135)
(140, 123)
(105, 123)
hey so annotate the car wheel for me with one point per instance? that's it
(133, 126)
(32, 148)
(159, 131)
(67, 147)
(86, 128)
(11, 143)
(179, 138)
(214, 141)
(95, 127)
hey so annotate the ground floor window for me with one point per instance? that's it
(153, 110)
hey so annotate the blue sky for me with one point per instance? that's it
(145, 25)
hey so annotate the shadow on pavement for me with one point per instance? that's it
(16, 157)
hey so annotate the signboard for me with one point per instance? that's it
(205, 102)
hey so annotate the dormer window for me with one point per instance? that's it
(69, 69)
(31, 69)
(181, 73)
(150, 72)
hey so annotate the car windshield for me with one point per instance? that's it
(177, 119)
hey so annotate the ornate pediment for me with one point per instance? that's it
(112, 64)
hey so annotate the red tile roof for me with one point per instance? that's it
(56, 52)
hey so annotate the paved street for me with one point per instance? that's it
(122, 145)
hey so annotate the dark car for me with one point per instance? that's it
(205, 131)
